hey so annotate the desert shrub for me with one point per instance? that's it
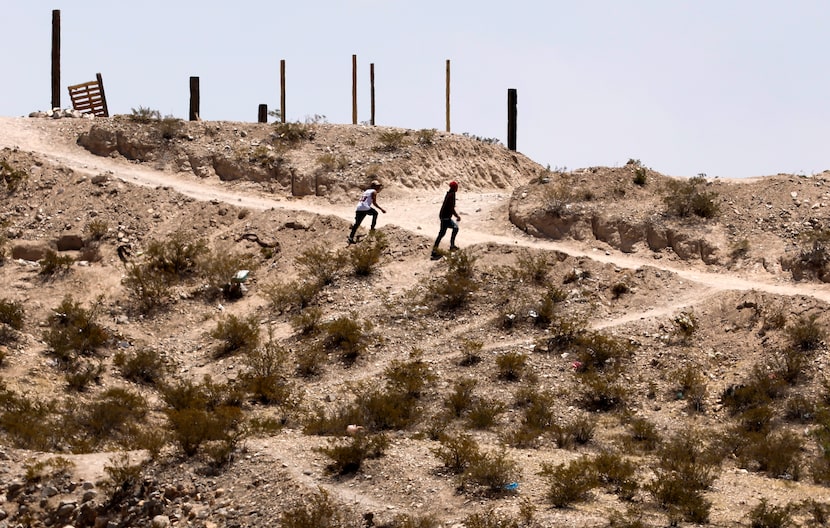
(411, 377)
(310, 360)
(800, 408)
(455, 286)
(461, 397)
(602, 392)
(758, 391)
(218, 268)
(12, 313)
(346, 335)
(149, 287)
(144, 114)
(814, 253)
(365, 256)
(681, 502)
(73, 331)
(425, 136)
(307, 322)
(776, 454)
(766, 516)
(688, 197)
(616, 474)
(457, 452)
(318, 511)
(292, 296)
(236, 335)
(91, 252)
(110, 415)
(644, 433)
(348, 455)
(96, 229)
(537, 417)
(391, 140)
(170, 127)
(569, 483)
(384, 408)
(192, 427)
(292, 133)
(532, 267)
(123, 478)
(265, 376)
(581, 429)
(11, 177)
(576, 275)
(470, 352)
(597, 352)
(640, 178)
(81, 374)
(790, 364)
(332, 162)
(319, 264)
(690, 385)
(806, 334)
(491, 472)
(483, 412)
(563, 332)
(511, 366)
(739, 250)
(52, 468)
(28, 422)
(176, 256)
(145, 366)
(53, 264)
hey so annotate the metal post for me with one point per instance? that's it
(448, 95)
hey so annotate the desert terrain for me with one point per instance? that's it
(556, 269)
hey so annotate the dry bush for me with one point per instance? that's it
(74, 331)
(511, 366)
(320, 265)
(491, 473)
(569, 483)
(149, 287)
(687, 198)
(346, 335)
(690, 385)
(364, 257)
(236, 335)
(53, 264)
(319, 511)
(453, 288)
(145, 366)
(347, 455)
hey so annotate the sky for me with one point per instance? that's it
(725, 88)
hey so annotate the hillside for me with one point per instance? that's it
(586, 318)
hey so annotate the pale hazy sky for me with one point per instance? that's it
(729, 88)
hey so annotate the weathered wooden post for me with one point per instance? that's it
(354, 89)
(262, 116)
(282, 90)
(448, 95)
(512, 99)
(56, 58)
(372, 91)
(194, 99)
(105, 109)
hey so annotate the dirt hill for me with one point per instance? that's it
(617, 315)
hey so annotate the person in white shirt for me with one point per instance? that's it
(366, 206)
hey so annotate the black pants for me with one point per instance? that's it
(447, 223)
(358, 218)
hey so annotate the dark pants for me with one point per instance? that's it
(447, 223)
(358, 218)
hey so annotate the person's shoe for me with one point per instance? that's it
(352, 241)
(435, 255)
(453, 248)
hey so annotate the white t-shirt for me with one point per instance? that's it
(366, 200)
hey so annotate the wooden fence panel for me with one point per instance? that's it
(89, 98)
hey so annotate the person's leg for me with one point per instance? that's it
(358, 218)
(374, 215)
(441, 232)
(454, 227)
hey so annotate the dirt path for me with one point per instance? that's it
(484, 215)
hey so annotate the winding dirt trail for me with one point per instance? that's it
(484, 215)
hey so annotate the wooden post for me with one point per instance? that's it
(354, 89)
(262, 116)
(372, 91)
(512, 100)
(448, 95)
(56, 58)
(282, 90)
(100, 80)
(194, 99)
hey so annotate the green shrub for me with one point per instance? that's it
(806, 334)
(597, 352)
(391, 140)
(687, 198)
(346, 335)
(177, 256)
(320, 265)
(491, 472)
(602, 392)
(490, 519)
(266, 375)
(616, 474)
(73, 331)
(409, 378)
(461, 397)
(766, 516)
(145, 366)
(110, 415)
(193, 427)
(144, 115)
(30, 423)
(293, 296)
(690, 385)
(814, 254)
(618, 289)
(470, 352)
(532, 267)
(81, 374)
(218, 268)
(11, 177)
(332, 162)
(149, 287)
(776, 454)
(310, 360)
(96, 229)
(347, 456)
(293, 133)
(53, 264)
(12, 313)
(569, 483)
(365, 256)
(454, 288)
(483, 412)
(640, 176)
(511, 365)
(318, 511)
(425, 136)
(236, 335)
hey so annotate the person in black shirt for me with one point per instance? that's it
(446, 215)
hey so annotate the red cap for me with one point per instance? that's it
(454, 185)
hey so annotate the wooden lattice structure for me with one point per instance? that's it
(89, 97)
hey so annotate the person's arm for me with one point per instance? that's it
(375, 202)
